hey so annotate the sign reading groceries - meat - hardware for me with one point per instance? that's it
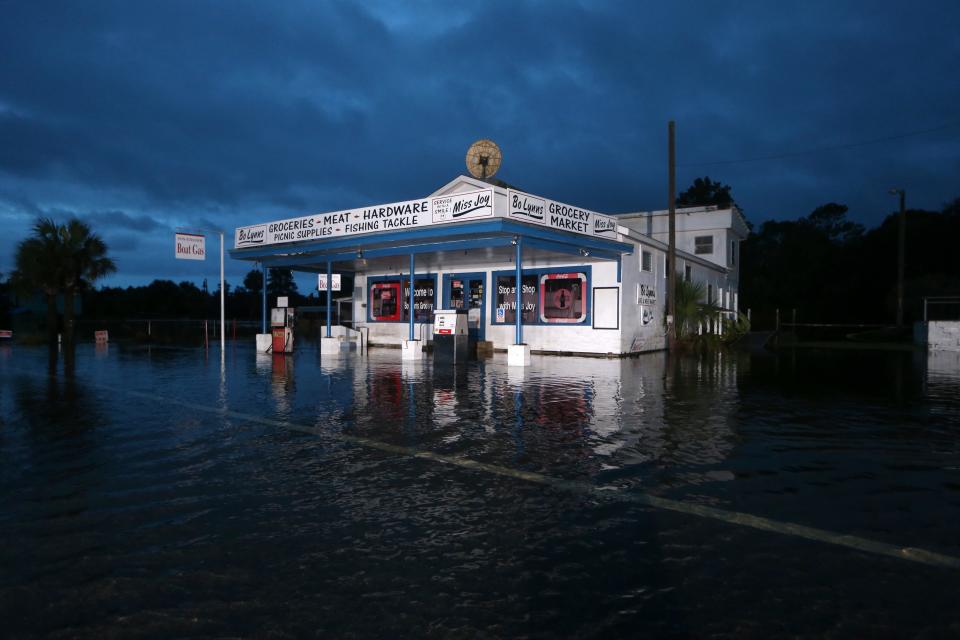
(452, 208)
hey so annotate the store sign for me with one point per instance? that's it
(251, 236)
(190, 246)
(646, 294)
(322, 282)
(386, 217)
(462, 206)
(527, 208)
(604, 225)
(646, 316)
(457, 207)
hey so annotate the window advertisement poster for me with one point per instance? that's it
(506, 299)
(562, 298)
(385, 301)
(322, 282)
(647, 300)
(423, 298)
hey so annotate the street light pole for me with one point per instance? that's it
(672, 330)
(901, 235)
(223, 323)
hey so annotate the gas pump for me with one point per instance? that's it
(281, 329)
(450, 336)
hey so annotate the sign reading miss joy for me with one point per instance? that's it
(456, 207)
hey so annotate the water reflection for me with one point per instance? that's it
(282, 381)
(568, 416)
(103, 490)
(942, 379)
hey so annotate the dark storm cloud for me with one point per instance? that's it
(114, 219)
(216, 114)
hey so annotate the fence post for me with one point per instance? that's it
(776, 325)
(206, 336)
(793, 319)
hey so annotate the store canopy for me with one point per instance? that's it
(465, 222)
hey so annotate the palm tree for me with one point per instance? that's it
(60, 259)
(85, 260)
(692, 311)
(38, 266)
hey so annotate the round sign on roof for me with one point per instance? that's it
(483, 159)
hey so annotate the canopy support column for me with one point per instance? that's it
(518, 296)
(412, 265)
(329, 295)
(518, 353)
(263, 310)
(411, 347)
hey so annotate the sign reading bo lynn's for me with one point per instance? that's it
(191, 246)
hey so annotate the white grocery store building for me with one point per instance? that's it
(590, 283)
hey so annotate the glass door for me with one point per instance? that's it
(467, 291)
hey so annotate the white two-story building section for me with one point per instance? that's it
(590, 283)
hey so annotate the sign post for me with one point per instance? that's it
(193, 246)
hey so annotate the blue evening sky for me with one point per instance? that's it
(141, 117)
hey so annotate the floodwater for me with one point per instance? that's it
(162, 492)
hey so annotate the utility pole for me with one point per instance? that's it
(672, 248)
(901, 236)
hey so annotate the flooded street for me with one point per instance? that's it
(162, 492)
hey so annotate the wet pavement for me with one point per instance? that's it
(163, 492)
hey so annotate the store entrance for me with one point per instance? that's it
(467, 291)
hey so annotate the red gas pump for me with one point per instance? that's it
(281, 329)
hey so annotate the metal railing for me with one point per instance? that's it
(939, 300)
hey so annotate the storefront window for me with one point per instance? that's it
(423, 298)
(563, 297)
(506, 301)
(385, 300)
(390, 300)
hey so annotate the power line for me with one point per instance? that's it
(839, 147)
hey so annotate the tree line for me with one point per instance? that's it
(824, 266)
(832, 270)
(185, 300)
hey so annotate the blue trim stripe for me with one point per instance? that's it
(435, 238)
